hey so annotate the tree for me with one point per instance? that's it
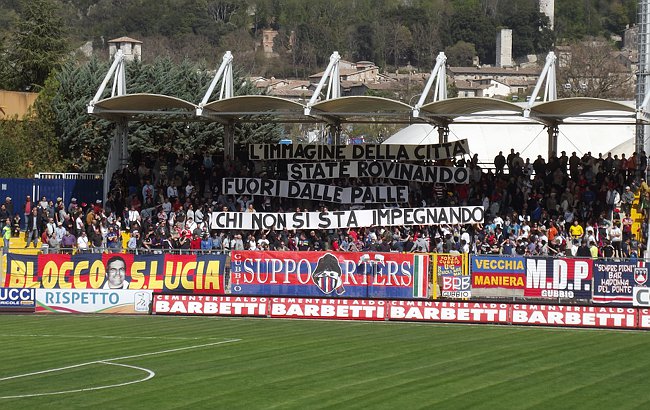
(38, 44)
(12, 157)
(85, 140)
(472, 26)
(460, 54)
(399, 46)
(594, 68)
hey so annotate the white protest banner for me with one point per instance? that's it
(377, 169)
(347, 219)
(316, 192)
(369, 152)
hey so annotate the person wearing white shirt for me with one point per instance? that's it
(190, 224)
(59, 232)
(134, 215)
(50, 227)
(616, 236)
(262, 242)
(167, 206)
(252, 244)
(147, 190)
(190, 212)
(189, 188)
(172, 192)
(82, 242)
(79, 224)
(465, 237)
(198, 217)
(525, 230)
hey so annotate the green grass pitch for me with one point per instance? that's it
(205, 362)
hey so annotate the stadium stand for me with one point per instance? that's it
(162, 202)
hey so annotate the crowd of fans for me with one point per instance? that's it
(570, 205)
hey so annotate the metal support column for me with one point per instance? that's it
(229, 141)
(643, 78)
(642, 87)
(335, 131)
(553, 132)
(443, 133)
(118, 154)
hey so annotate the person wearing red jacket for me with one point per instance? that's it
(195, 243)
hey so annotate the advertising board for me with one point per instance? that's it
(209, 305)
(331, 274)
(172, 273)
(558, 278)
(498, 276)
(575, 316)
(123, 301)
(17, 299)
(614, 281)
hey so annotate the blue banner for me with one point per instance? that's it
(14, 298)
(614, 281)
(332, 274)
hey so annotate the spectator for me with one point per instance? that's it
(32, 233)
(576, 231)
(626, 200)
(15, 226)
(68, 242)
(6, 235)
(28, 206)
(499, 163)
(616, 236)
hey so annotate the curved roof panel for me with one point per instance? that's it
(143, 102)
(255, 104)
(464, 106)
(363, 108)
(361, 105)
(572, 107)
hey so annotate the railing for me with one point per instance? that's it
(44, 250)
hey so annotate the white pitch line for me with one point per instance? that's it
(106, 361)
(173, 350)
(106, 337)
(150, 375)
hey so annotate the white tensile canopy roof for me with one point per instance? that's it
(529, 138)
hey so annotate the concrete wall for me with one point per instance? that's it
(14, 103)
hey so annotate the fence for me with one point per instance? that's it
(84, 187)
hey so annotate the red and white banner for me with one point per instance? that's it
(448, 312)
(306, 308)
(209, 305)
(644, 318)
(574, 316)
(404, 310)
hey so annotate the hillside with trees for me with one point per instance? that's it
(41, 41)
(391, 33)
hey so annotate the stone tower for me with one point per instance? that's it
(504, 48)
(131, 48)
(548, 7)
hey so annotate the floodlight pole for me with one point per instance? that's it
(225, 72)
(548, 78)
(119, 81)
(439, 75)
(332, 74)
